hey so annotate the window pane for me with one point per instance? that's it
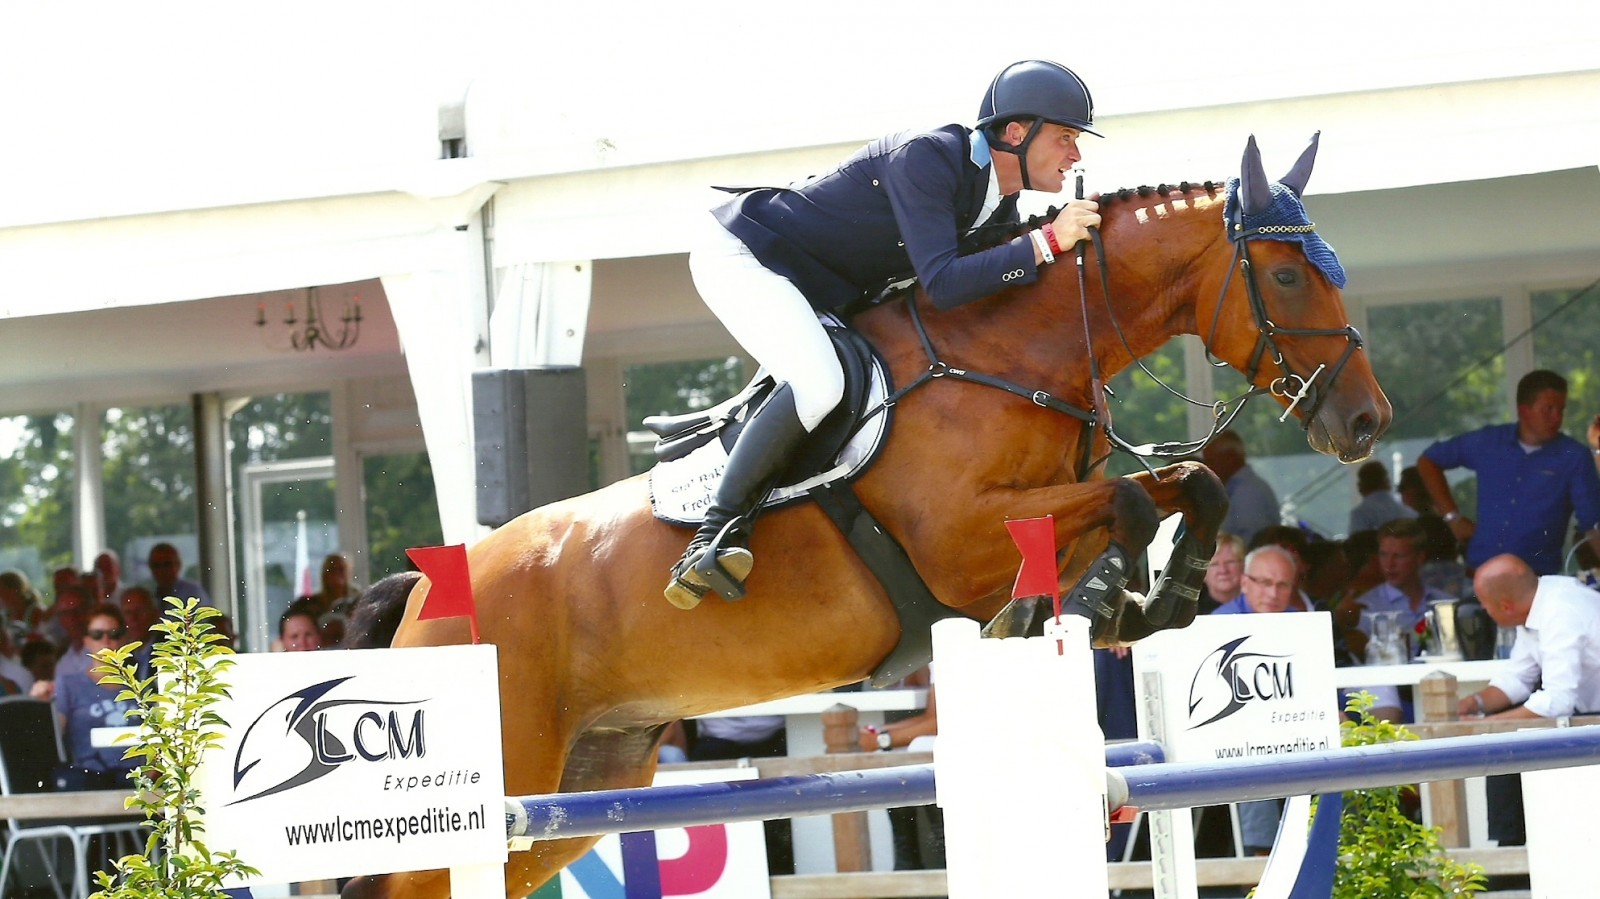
(665, 388)
(37, 472)
(1427, 357)
(277, 428)
(149, 475)
(1566, 340)
(402, 510)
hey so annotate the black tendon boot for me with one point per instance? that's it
(718, 558)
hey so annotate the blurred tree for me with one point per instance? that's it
(37, 483)
(1142, 411)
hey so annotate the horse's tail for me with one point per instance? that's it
(378, 612)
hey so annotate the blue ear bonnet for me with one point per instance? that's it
(1286, 209)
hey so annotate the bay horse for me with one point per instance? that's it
(594, 662)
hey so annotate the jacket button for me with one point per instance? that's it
(899, 243)
(874, 182)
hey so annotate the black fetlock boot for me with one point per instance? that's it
(718, 558)
(1098, 594)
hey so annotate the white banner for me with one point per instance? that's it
(1235, 686)
(358, 762)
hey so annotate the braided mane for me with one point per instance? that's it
(994, 235)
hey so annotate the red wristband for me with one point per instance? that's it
(1050, 237)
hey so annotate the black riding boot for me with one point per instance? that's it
(758, 457)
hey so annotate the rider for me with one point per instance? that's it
(773, 257)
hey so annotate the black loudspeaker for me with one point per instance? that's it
(532, 439)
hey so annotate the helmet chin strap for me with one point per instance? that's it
(1021, 151)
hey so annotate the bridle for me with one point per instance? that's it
(1291, 384)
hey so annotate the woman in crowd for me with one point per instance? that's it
(1223, 573)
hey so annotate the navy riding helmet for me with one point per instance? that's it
(1040, 90)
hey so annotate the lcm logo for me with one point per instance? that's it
(1231, 678)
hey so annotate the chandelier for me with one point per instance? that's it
(311, 328)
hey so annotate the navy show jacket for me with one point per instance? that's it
(899, 205)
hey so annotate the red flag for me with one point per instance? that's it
(450, 595)
(1036, 538)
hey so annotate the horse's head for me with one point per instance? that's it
(1279, 316)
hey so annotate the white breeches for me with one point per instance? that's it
(770, 318)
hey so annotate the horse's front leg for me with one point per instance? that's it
(1193, 490)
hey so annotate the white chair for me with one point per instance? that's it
(30, 751)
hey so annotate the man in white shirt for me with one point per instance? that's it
(1554, 669)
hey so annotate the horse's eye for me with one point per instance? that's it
(1286, 277)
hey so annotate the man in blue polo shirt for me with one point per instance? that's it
(1532, 479)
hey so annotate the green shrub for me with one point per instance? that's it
(1383, 854)
(178, 727)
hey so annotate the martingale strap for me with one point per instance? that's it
(916, 605)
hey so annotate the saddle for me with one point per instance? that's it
(693, 448)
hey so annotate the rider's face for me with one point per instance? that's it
(1051, 155)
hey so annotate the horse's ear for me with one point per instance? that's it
(1301, 173)
(1255, 192)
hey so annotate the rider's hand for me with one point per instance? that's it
(1073, 222)
(1463, 527)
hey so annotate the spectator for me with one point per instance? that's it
(1531, 480)
(1401, 552)
(1271, 576)
(139, 611)
(1223, 573)
(337, 593)
(166, 570)
(1378, 505)
(83, 701)
(39, 657)
(1413, 493)
(108, 572)
(68, 620)
(63, 578)
(918, 830)
(1554, 669)
(15, 678)
(20, 611)
(1251, 503)
(297, 629)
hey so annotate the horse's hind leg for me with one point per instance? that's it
(600, 760)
